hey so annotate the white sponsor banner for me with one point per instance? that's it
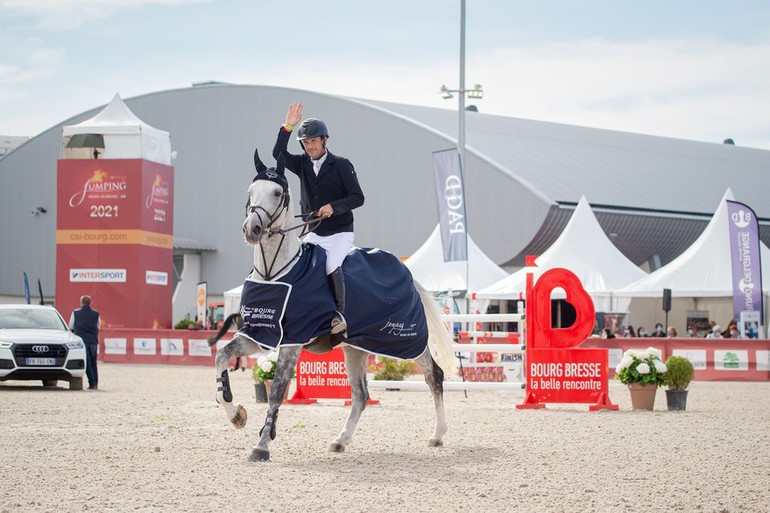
(763, 360)
(198, 347)
(156, 278)
(731, 360)
(98, 275)
(614, 355)
(144, 346)
(115, 346)
(172, 346)
(697, 357)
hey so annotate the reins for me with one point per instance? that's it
(310, 225)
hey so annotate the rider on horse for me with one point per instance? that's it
(330, 190)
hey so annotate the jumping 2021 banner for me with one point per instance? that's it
(450, 192)
(114, 240)
(746, 264)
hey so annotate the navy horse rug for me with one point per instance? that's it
(384, 313)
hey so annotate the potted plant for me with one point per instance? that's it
(643, 372)
(388, 369)
(263, 372)
(679, 373)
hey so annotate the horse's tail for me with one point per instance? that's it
(439, 339)
(231, 319)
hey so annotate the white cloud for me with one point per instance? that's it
(703, 90)
(74, 13)
(694, 89)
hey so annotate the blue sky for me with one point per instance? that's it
(691, 69)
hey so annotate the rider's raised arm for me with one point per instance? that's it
(293, 162)
(293, 117)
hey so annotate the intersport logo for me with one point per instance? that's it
(98, 275)
(156, 278)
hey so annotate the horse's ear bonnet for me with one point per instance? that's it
(274, 174)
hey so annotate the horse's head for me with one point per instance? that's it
(268, 207)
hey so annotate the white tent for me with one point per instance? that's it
(116, 133)
(703, 270)
(584, 249)
(233, 300)
(701, 276)
(429, 269)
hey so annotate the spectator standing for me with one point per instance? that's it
(659, 331)
(628, 331)
(672, 332)
(728, 332)
(642, 332)
(716, 332)
(607, 333)
(85, 322)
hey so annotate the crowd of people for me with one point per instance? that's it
(714, 331)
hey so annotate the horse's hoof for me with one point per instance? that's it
(434, 442)
(336, 447)
(240, 417)
(259, 455)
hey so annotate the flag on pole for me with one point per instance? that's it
(40, 289)
(450, 193)
(746, 265)
(26, 286)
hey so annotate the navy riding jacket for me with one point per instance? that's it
(336, 184)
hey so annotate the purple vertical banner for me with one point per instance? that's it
(450, 193)
(747, 268)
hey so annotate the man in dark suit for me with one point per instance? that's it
(329, 189)
(84, 322)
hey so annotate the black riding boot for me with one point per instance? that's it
(339, 329)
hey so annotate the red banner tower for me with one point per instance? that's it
(115, 218)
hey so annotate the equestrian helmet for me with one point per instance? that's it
(312, 127)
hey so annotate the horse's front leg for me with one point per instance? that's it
(237, 347)
(355, 365)
(287, 361)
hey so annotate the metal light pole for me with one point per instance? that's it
(461, 95)
(476, 92)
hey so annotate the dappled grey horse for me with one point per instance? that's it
(280, 256)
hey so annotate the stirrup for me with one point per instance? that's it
(339, 327)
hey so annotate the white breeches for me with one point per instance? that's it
(337, 247)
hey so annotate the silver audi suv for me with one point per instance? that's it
(36, 344)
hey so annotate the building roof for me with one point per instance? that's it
(652, 195)
(616, 170)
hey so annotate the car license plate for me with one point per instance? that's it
(41, 361)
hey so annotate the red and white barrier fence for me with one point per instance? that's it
(714, 359)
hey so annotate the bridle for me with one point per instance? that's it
(310, 224)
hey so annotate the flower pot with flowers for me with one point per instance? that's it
(263, 372)
(679, 373)
(643, 372)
